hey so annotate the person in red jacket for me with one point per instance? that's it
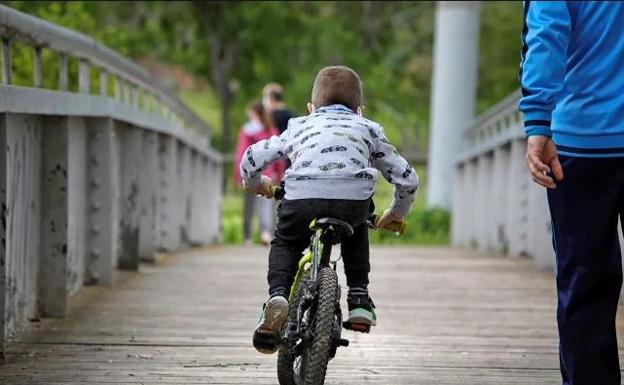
(258, 127)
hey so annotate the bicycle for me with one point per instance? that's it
(312, 333)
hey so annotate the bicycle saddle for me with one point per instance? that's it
(334, 230)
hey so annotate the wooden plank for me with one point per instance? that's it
(447, 316)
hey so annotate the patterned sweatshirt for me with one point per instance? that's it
(335, 154)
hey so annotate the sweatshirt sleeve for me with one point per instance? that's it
(259, 156)
(545, 38)
(396, 170)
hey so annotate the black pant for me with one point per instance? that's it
(292, 236)
(584, 208)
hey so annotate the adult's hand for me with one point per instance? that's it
(541, 158)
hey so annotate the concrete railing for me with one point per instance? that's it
(92, 182)
(496, 206)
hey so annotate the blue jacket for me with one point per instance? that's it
(572, 75)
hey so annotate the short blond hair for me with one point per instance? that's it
(337, 85)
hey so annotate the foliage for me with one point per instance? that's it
(388, 43)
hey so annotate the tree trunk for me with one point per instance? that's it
(225, 97)
(369, 25)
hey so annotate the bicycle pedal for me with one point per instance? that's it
(357, 327)
(265, 341)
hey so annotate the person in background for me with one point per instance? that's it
(273, 101)
(258, 127)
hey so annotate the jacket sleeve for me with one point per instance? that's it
(396, 170)
(259, 156)
(545, 39)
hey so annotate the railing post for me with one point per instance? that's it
(63, 216)
(517, 182)
(37, 68)
(539, 227)
(4, 203)
(6, 61)
(482, 201)
(499, 201)
(149, 192)
(117, 83)
(471, 198)
(185, 201)
(84, 78)
(63, 72)
(458, 227)
(20, 175)
(131, 140)
(103, 82)
(103, 194)
(168, 224)
(217, 195)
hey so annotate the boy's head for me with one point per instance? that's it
(337, 85)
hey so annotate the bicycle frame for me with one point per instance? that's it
(312, 257)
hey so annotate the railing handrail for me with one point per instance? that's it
(499, 124)
(509, 102)
(42, 34)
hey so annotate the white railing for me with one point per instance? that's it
(92, 181)
(496, 206)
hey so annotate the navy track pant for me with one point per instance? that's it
(584, 208)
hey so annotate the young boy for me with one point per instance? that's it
(335, 154)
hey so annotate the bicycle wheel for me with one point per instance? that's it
(285, 357)
(318, 352)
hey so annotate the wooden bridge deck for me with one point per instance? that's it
(446, 317)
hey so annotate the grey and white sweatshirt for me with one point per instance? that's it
(335, 154)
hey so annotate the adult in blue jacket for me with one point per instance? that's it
(572, 78)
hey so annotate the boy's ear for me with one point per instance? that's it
(311, 108)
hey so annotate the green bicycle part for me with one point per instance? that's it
(302, 264)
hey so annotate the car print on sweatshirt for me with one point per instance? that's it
(335, 148)
(304, 164)
(332, 166)
(303, 130)
(364, 175)
(357, 162)
(307, 137)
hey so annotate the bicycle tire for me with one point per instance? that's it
(319, 350)
(285, 358)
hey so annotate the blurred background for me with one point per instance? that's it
(217, 56)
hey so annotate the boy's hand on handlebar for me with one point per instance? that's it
(387, 218)
(265, 188)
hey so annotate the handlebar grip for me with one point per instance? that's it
(395, 227)
(278, 192)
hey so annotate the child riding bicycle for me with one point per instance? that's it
(335, 155)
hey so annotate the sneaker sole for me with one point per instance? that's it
(266, 336)
(362, 317)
